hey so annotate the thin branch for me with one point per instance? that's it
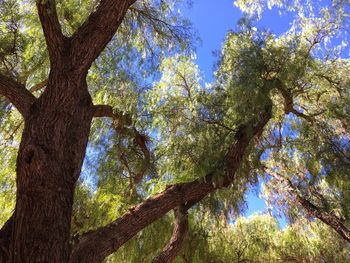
(94, 246)
(17, 94)
(172, 249)
(97, 31)
(12, 134)
(55, 40)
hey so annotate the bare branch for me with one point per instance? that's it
(95, 33)
(172, 249)
(17, 94)
(96, 245)
(55, 40)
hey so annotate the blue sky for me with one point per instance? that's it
(212, 20)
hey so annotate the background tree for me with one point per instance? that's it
(159, 139)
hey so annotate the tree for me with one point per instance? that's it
(260, 239)
(176, 140)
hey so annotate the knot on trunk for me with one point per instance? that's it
(33, 154)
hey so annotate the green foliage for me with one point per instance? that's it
(148, 75)
(260, 239)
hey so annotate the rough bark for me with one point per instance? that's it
(96, 245)
(315, 211)
(172, 249)
(55, 136)
(48, 165)
(326, 217)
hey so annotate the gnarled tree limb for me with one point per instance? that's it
(17, 94)
(95, 33)
(180, 231)
(96, 245)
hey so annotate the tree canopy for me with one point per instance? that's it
(161, 139)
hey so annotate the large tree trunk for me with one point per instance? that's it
(48, 165)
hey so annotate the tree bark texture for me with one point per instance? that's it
(49, 160)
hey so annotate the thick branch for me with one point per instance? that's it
(180, 231)
(51, 27)
(96, 245)
(326, 217)
(5, 235)
(93, 36)
(16, 93)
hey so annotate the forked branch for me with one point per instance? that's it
(96, 32)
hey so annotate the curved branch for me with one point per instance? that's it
(180, 231)
(95, 33)
(51, 27)
(96, 245)
(17, 94)
(124, 120)
(315, 211)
